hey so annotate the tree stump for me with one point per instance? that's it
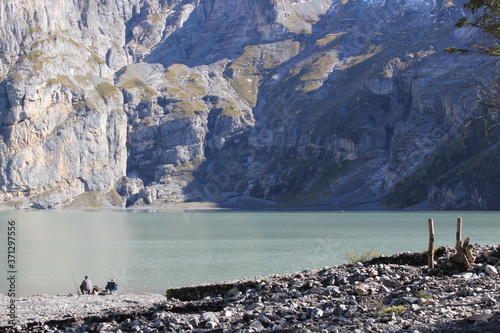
(464, 253)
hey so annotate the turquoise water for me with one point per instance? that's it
(153, 251)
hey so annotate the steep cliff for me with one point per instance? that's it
(262, 102)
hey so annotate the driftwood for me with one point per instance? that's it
(430, 250)
(464, 251)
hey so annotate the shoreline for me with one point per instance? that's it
(236, 204)
(391, 293)
(184, 207)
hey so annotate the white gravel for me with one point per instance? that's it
(41, 308)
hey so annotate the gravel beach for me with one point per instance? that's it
(386, 294)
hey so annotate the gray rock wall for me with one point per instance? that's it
(296, 102)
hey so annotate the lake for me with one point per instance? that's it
(153, 251)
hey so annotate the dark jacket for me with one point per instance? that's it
(111, 286)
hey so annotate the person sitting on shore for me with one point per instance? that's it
(86, 286)
(111, 286)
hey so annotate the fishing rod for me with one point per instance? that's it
(77, 290)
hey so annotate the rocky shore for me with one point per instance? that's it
(386, 294)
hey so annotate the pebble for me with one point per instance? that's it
(491, 270)
(211, 324)
(488, 300)
(391, 283)
(483, 316)
(362, 289)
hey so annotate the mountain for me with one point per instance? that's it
(261, 103)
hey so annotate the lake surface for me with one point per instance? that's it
(153, 251)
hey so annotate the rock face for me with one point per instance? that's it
(344, 104)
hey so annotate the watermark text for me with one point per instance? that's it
(11, 271)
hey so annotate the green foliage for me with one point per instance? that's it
(155, 17)
(244, 75)
(105, 89)
(176, 71)
(63, 80)
(171, 292)
(229, 109)
(488, 21)
(232, 113)
(147, 121)
(311, 77)
(195, 84)
(146, 91)
(40, 42)
(424, 295)
(34, 30)
(45, 195)
(90, 102)
(69, 40)
(16, 77)
(482, 128)
(394, 309)
(114, 198)
(354, 257)
(91, 199)
(329, 38)
(246, 72)
(95, 59)
(192, 165)
(493, 50)
(17, 204)
(187, 108)
(182, 85)
(33, 56)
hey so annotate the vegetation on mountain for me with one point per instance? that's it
(488, 19)
(471, 159)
